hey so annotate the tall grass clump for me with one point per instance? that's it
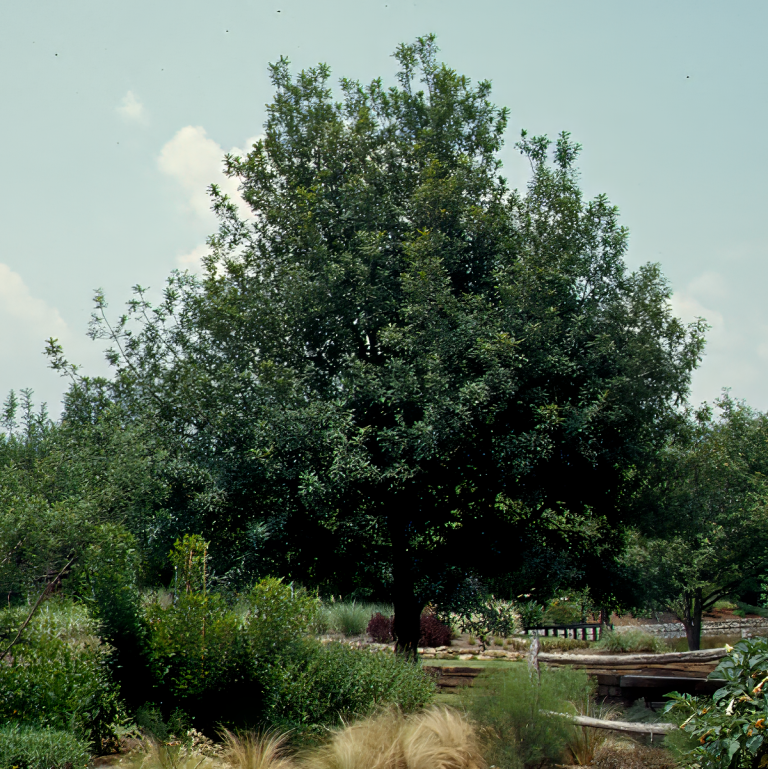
(351, 618)
(255, 750)
(437, 738)
(634, 640)
(512, 708)
(31, 747)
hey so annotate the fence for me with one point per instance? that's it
(581, 630)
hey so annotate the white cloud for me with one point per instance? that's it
(26, 322)
(734, 356)
(195, 161)
(132, 109)
(192, 260)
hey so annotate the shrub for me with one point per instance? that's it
(731, 725)
(59, 677)
(312, 686)
(350, 618)
(531, 614)
(29, 747)
(561, 612)
(633, 640)
(558, 644)
(277, 615)
(380, 628)
(195, 646)
(433, 632)
(205, 655)
(508, 703)
(472, 611)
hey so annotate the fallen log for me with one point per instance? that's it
(616, 726)
(631, 660)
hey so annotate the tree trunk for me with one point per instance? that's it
(692, 612)
(406, 625)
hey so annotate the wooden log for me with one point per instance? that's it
(631, 660)
(616, 726)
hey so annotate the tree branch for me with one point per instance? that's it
(35, 607)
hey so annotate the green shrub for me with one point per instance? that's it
(313, 686)
(724, 604)
(730, 727)
(28, 747)
(747, 608)
(560, 612)
(531, 614)
(59, 676)
(195, 646)
(633, 640)
(277, 615)
(509, 704)
(205, 655)
(481, 615)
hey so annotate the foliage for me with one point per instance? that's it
(350, 618)
(509, 705)
(433, 632)
(59, 677)
(380, 628)
(313, 686)
(632, 640)
(531, 613)
(195, 646)
(549, 644)
(31, 747)
(706, 513)
(731, 726)
(204, 652)
(562, 612)
(397, 356)
(473, 611)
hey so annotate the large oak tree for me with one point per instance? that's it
(399, 371)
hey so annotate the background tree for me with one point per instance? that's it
(399, 371)
(707, 530)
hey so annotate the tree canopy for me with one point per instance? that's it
(706, 531)
(399, 371)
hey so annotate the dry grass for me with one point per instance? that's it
(630, 755)
(253, 750)
(438, 738)
(586, 741)
(162, 755)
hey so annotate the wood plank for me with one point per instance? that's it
(616, 726)
(632, 660)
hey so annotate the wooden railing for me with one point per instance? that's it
(581, 630)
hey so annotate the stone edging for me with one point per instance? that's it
(718, 627)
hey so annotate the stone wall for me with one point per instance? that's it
(744, 627)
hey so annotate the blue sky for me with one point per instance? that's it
(116, 116)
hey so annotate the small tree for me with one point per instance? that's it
(708, 513)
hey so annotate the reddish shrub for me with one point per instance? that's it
(380, 628)
(434, 632)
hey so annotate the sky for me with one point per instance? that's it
(116, 117)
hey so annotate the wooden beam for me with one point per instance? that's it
(631, 660)
(616, 726)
